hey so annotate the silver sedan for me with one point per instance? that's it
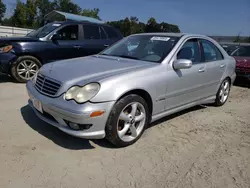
(138, 80)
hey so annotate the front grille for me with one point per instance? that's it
(47, 86)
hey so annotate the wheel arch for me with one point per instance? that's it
(28, 54)
(142, 93)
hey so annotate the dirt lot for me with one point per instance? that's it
(201, 147)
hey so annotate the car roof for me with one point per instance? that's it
(172, 34)
(79, 22)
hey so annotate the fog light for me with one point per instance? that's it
(84, 126)
(78, 127)
(74, 126)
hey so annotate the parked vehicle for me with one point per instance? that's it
(21, 57)
(242, 56)
(230, 47)
(118, 92)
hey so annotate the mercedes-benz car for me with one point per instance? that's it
(117, 93)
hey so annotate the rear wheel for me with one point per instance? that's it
(223, 93)
(25, 68)
(127, 121)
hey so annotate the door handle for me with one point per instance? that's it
(202, 70)
(222, 65)
(77, 46)
(106, 45)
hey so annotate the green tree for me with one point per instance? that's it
(2, 10)
(7, 21)
(152, 26)
(68, 6)
(19, 16)
(31, 12)
(247, 39)
(44, 7)
(94, 13)
(165, 27)
(237, 39)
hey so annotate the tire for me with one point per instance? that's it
(23, 65)
(225, 90)
(115, 125)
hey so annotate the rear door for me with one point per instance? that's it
(215, 66)
(93, 40)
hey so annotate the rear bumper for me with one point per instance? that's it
(6, 59)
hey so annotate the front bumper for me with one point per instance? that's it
(61, 110)
(6, 59)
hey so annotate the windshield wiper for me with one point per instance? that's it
(123, 56)
(129, 57)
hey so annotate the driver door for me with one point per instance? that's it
(185, 86)
(67, 45)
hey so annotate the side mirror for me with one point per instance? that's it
(182, 64)
(55, 37)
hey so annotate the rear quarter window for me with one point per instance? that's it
(112, 34)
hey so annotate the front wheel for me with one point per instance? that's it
(25, 68)
(127, 121)
(223, 93)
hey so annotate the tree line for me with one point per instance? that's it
(30, 14)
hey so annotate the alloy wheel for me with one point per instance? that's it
(27, 69)
(224, 91)
(131, 121)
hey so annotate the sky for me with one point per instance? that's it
(209, 17)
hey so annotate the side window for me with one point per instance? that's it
(190, 50)
(102, 33)
(91, 32)
(211, 52)
(110, 32)
(69, 32)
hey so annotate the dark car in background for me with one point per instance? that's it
(21, 57)
(242, 57)
(229, 48)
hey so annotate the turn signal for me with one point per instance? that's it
(7, 48)
(97, 113)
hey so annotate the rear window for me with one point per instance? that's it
(111, 32)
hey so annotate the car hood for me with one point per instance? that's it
(242, 61)
(17, 39)
(80, 71)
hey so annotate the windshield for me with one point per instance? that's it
(43, 31)
(151, 48)
(243, 51)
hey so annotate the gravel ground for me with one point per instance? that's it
(200, 147)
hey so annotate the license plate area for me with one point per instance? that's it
(37, 104)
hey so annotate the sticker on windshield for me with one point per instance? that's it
(56, 25)
(160, 38)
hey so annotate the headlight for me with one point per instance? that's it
(6, 49)
(82, 94)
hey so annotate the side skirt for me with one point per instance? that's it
(207, 100)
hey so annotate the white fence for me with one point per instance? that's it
(6, 31)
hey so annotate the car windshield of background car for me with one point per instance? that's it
(43, 31)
